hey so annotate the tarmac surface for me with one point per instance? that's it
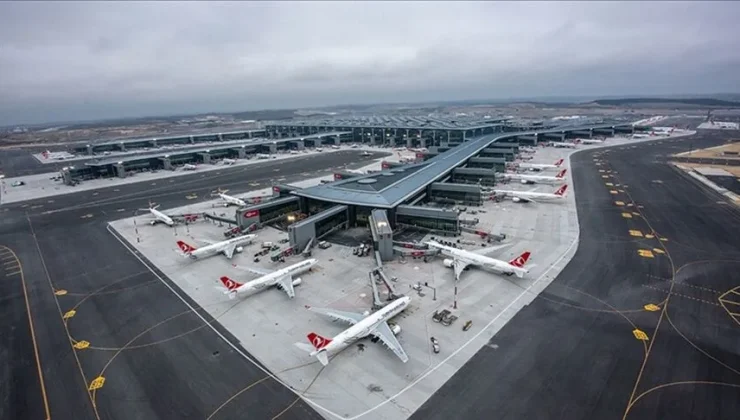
(160, 362)
(588, 347)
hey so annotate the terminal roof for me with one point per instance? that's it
(389, 188)
(224, 145)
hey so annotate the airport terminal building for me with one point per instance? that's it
(453, 170)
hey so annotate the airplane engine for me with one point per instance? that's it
(297, 281)
(516, 199)
(448, 262)
(239, 249)
(395, 328)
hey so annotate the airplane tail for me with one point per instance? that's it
(229, 283)
(520, 260)
(317, 347)
(561, 174)
(318, 341)
(561, 190)
(559, 162)
(186, 248)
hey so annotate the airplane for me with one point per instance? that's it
(530, 196)
(560, 144)
(461, 259)
(541, 166)
(318, 149)
(527, 149)
(591, 141)
(362, 325)
(189, 167)
(262, 156)
(640, 136)
(354, 171)
(536, 179)
(228, 161)
(228, 199)
(335, 147)
(159, 217)
(293, 152)
(227, 247)
(282, 279)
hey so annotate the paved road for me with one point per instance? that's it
(158, 358)
(574, 353)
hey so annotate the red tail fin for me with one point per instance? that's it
(561, 173)
(559, 162)
(318, 341)
(185, 247)
(561, 190)
(230, 284)
(520, 260)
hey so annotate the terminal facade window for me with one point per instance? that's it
(428, 223)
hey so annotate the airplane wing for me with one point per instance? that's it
(286, 283)
(384, 334)
(229, 251)
(490, 249)
(348, 317)
(459, 266)
(255, 270)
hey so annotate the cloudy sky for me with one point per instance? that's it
(91, 60)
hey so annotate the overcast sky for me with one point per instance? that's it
(90, 60)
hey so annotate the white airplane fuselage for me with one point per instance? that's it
(230, 200)
(537, 179)
(591, 141)
(478, 260)
(218, 247)
(161, 217)
(563, 144)
(271, 280)
(532, 195)
(365, 327)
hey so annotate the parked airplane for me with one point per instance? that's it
(531, 196)
(293, 152)
(375, 324)
(159, 217)
(319, 149)
(536, 179)
(228, 161)
(354, 171)
(282, 279)
(640, 136)
(228, 199)
(335, 147)
(189, 167)
(541, 166)
(460, 259)
(227, 247)
(262, 156)
(591, 141)
(561, 144)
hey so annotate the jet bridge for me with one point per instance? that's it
(317, 226)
